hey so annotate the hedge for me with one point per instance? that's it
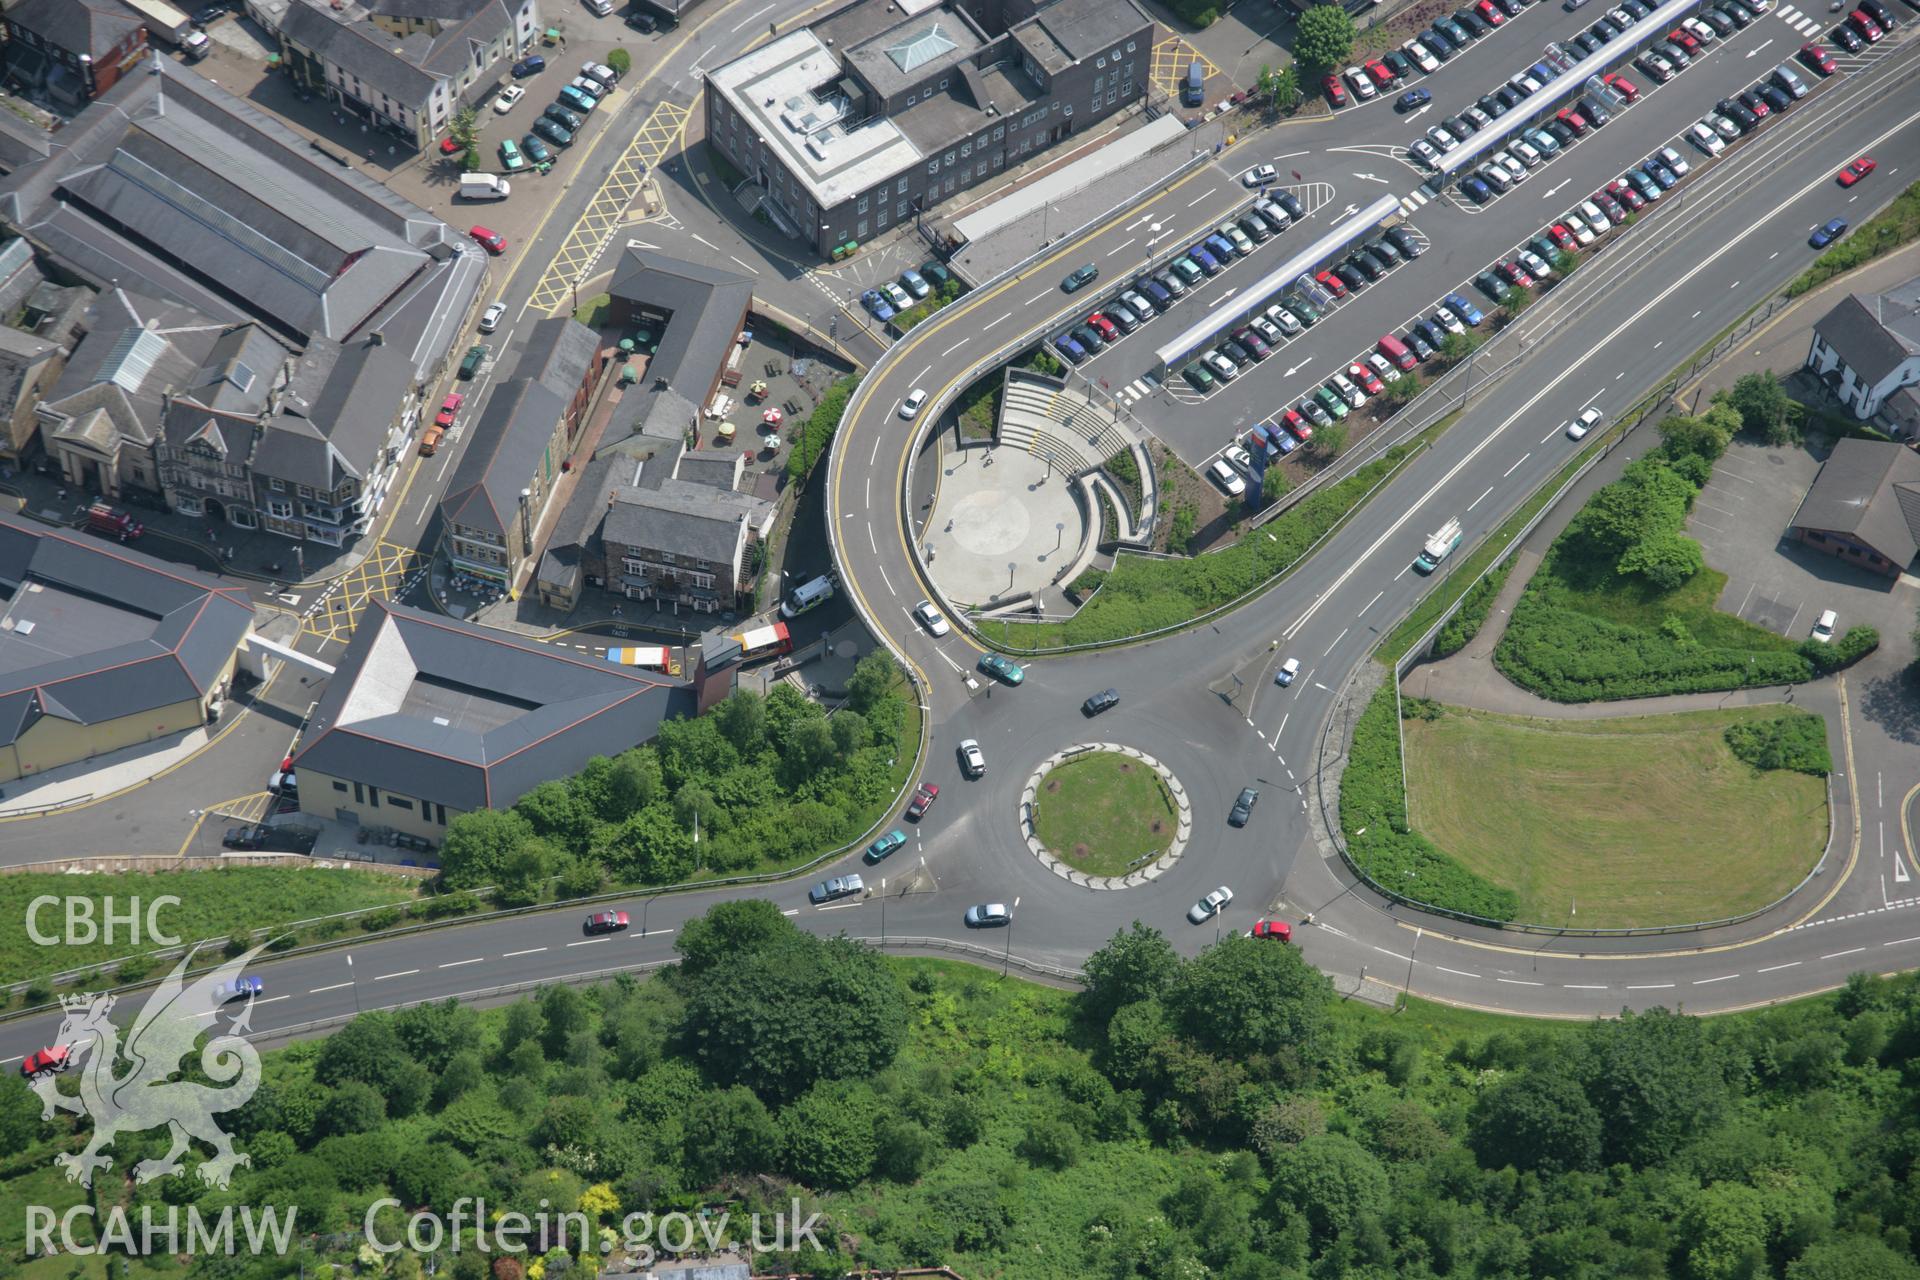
(1373, 817)
(1142, 594)
(811, 440)
(1797, 740)
(1826, 658)
(1465, 624)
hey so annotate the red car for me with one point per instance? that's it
(1865, 25)
(1624, 87)
(1336, 92)
(1490, 11)
(923, 799)
(492, 241)
(1278, 930)
(1514, 274)
(1573, 120)
(449, 147)
(1331, 283)
(606, 922)
(1369, 380)
(1563, 237)
(1819, 59)
(1626, 195)
(1382, 74)
(1685, 39)
(1857, 170)
(448, 407)
(1302, 430)
(1108, 329)
(46, 1062)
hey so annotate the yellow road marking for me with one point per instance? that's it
(377, 577)
(1171, 58)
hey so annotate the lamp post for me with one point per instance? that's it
(1006, 961)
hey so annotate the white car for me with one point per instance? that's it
(1527, 153)
(1594, 218)
(1494, 176)
(1208, 907)
(508, 96)
(972, 762)
(1724, 127)
(1289, 670)
(1674, 161)
(490, 318)
(911, 405)
(1344, 388)
(1589, 419)
(1267, 329)
(1227, 478)
(1223, 368)
(1260, 174)
(930, 617)
(1702, 32)
(1823, 629)
(1535, 264)
(1582, 233)
(1702, 135)
(1449, 321)
(1239, 457)
(1514, 169)
(1386, 369)
(1442, 139)
(1421, 58)
(1289, 323)
(899, 297)
(1362, 84)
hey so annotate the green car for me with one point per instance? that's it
(510, 157)
(476, 356)
(1001, 669)
(1198, 376)
(886, 844)
(1307, 312)
(935, 272)
(1332, 403)
(536, 150)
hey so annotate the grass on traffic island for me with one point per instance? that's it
(1614, 823)
(1105, 813)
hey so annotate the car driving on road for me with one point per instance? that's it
(1210, 906)
(880, 849)
(923, 797)
(1243, 804)
(1001, 669)
(973, 762)
(988, 915)
(838, 887)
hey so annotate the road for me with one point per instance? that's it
(1738, 235)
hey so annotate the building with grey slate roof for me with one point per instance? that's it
(1868, 347)
(1864, 506)
(885, 108)
(426, 718)
(405, 67)
(73, 50)
(694, 313)
(103, 648)
(21, 142)
(211, 217)
(29, 368)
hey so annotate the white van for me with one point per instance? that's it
(484, 186)
(806, 596)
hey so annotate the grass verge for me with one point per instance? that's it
(212, 904)
(1879, 235)
(1105, 813)
(1619, 823)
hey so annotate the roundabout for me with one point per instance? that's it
(1105, 816)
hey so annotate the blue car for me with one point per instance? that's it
(1204, 259)
(1413, 98)
(1477, 191)
(1824, 236)
(886, 844)
(243, 988)
(1069, 346)
(1464, 309)
(876, 302)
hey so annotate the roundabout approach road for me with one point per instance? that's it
(1696, 266)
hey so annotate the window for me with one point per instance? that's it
(949, 159)
(863, 205)
(1115, 55)
(1129, 46)
(943, 85)
(881, 219)
(1101, 61)
(1127, 89)
(1111, 95)
(966, 175)
(933, 168)
(339, 785)
(966, 148)
(901, 188)
(1099, 83)
(900, 210)
(399, 803)
(1069, 110)
(998, 134)
(912, 98)
(860, 227)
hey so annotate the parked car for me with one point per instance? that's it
(1825, 625)
(492, 241)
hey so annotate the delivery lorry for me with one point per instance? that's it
(1438, 547)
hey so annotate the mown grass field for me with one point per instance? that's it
(1613, 823)
(212, 904)
(1104, 812)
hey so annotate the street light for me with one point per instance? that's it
(1006, 962)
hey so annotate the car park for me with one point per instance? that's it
(1335, 91)
(553, 131)
(1624, 194)
(1298, 431)
(1313, 411)
(1847, 38)
(1453, 30)
(1826, 235)
(1252, 225)
(1490, 106)
(1535, 265)
(1476, 26)
(1583, 234)
(1399, 63)
(577, 98)
(1237, 237)
(606, 922)
(1476, 189)
(1493, 286)
(1287, 317)
(1424, 152)
(1366, 265)
(1548, 144)
(1863, 22)
(1422, 339)
(1100, 324)
(1825, 625)
(1331, 402)
(1515, 171)
(1448, 322)
(1819, 59)
(1626, 88)
(1223, 368)
(1422, 56)
(1089, 339)
(1774, 96)
(1243, 807)
(1370, 380)
(1380, 73)
(1142, 309)
(923, 797)
(1464, 309)
(1227, 478)
(1239, 355)
(1675, 53)
(1642, 185)
(1494, 177)
(1514, 273)
(1198, 376)
(1880, 13)
(1666, 178)
(1440, 42)
(1857, 170)
(1348, 391)
(1202, 257)
(1590, 212)
(1412, 99)
(838, 887)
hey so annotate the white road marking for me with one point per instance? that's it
(455, 964)
(1726, 977)
(1520, 982)
(587, 942)
(314, 991)
(1835, 955)
(1583, 986)
(404, 973)
(530, 951)
(989, 324)
(1516, 466)
(1202, 196)
(1791, 964)
(1336, 641)
(1458, 973)
(955, 347)
(1652, 986)
(1477, 501)
(1899, 941)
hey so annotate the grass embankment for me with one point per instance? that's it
(212, 904)
(1105, 813)
(1621, 823)
(1142, 595)
(1896, 225)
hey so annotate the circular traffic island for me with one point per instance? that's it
(1106, 814)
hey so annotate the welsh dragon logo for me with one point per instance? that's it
(130, 1087)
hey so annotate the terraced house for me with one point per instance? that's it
(405, 66)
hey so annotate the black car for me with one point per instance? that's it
(642, 22)
(1106, 700)
(1509, 7)
(1286, 200)
(1493, 286)
(1603, 31)
(1436, 40)
(1350, 276)
(1596, 115)
(1777, 98)
(1423, 331)
(1509, 97)
(1460, 127)
(563, 117)
(244, 838)
(1721, 24)
(211, 14)
(1084, 334)
(1460, 36)
(1735, 14)
(1399, 63)
(1365, 265)
(1475, 24)
(1236, 353)
(1421, 348)
(1738, 114)
(1384, 253)
(1638, 10)
(1562, 134)
(1405, 241)
(1586, 44)
(1845, 37)
(1243, 807)
(1492, 105)
(1880, 14)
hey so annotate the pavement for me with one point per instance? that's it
(991, 517)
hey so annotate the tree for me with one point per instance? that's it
(1137, 963)
(873, 679)
(728, 930)
(1725, 1229)
(1331, 439)
(1648, 500)
(1322, 38)
(1044, 364)
(1332, 1181)
(906, 1149)
(1705, 436)
(1665, 560)
(1655, 1078)
(1763, 405)
(1852, 1257)
(523, 874)
(1049, 1143)
(564, 1013)
(354, 1107)
(1405, 389)
(827, 1136)
(729, 1131)
(632, 782)
(1540, 1120)
(742, 720)
(1241, 997)
(478, 844)
(1458, 346)
(1280, 90)
(619, 61)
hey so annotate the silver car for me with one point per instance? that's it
(989, 915)
(1209, 907)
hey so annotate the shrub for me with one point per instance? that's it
(1088, 582)
(1466, 622)
(1856, 644)
(1373, 816)
(1795, 741)
(38, 992)
(811, 441)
